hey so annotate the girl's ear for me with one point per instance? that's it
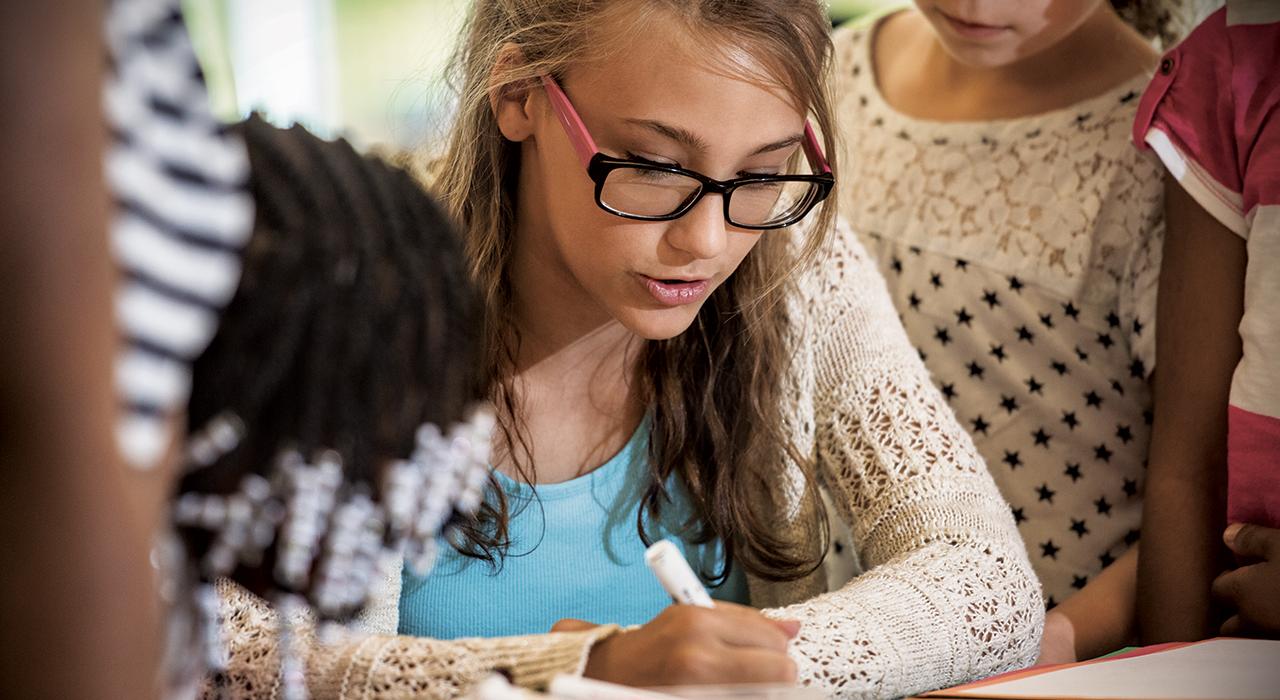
(511, 102)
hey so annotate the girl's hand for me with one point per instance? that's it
(1253, 590)
(687, 645)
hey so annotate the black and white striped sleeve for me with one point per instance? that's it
(182, 214)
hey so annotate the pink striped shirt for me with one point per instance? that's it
(1212, 115)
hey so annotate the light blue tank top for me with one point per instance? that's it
(575, 553)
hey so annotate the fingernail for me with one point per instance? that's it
(1229, 535)
(790, 627)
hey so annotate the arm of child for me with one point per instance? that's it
(385, 665)
(949, 595)
(1097, 620)
(76, 588)
(1201, 302)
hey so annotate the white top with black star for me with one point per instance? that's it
(1023, 257)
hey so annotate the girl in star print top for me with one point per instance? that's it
(988, 169)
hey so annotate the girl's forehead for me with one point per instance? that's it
(659, 56)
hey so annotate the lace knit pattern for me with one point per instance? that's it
(949, 595)
(1023, 256)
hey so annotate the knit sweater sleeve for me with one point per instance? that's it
(384, 666)
(949, 595)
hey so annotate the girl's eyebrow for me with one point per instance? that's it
(691, 141)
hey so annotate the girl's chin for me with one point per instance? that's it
(659, 324)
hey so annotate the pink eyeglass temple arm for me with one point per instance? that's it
(582, 142)
(585, 146)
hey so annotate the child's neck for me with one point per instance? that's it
(573, 379)
(918, 77)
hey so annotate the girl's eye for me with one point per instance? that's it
(649, 161)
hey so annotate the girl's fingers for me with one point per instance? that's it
(759, 666)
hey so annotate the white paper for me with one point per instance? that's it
(1223, 669)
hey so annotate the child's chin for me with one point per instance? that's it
(660, 324)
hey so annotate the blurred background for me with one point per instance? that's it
(370, 70)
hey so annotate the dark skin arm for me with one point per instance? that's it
(1198, 346)
(78, 614)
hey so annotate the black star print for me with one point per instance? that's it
(936, 280)
(914, 301)
(1008, 403)
(1093, 399)
(962, 264)
(963, 317)
(1042, 438)
(1015, 284)
(990, 298)
(1050, 604)
(1073, 471)
(1049, 549)
(1113, 320)
(949, 391)
(1047, 320)
(997, 351)
(1104, 339)
(1084, 356)
(1069, 417)
(1079, 582)
(942, 335)
(1025, 333)
(1102, 452)
(1104, 508)
(1045, 493)
(1132, 537)
(923, 356)
(1124, 433)
(1148, 416)
(1034, 386)
(1018, 517)
(980, 425)
(1137, 327)
(1106, 559)
(1137, 369)
(1130, 488)
(975, 369)
(1080, 528)
(896, 264)
(1117, 387)
(915, 249)
(1012, 459)
(1071, 310)
(1059, 367)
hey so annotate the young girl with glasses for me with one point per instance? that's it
(671, 357)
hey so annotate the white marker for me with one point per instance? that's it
(567, 687)
(667, 563)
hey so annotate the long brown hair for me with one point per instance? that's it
(714, 392)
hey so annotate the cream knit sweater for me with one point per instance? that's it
(948, 594)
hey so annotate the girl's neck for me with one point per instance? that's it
(918, 77)
(573, 374)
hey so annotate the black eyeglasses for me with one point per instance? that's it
(657, 192)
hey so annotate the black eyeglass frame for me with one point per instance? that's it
(598, 167)
(601, 165)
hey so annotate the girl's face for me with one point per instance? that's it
(657, 98)
(996, 33)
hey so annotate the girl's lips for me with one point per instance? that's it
(674, 292)
(972, 30)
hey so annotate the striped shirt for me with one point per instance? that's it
(179, 184)
(1212, 114)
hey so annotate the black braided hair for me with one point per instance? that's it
(354, 321)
